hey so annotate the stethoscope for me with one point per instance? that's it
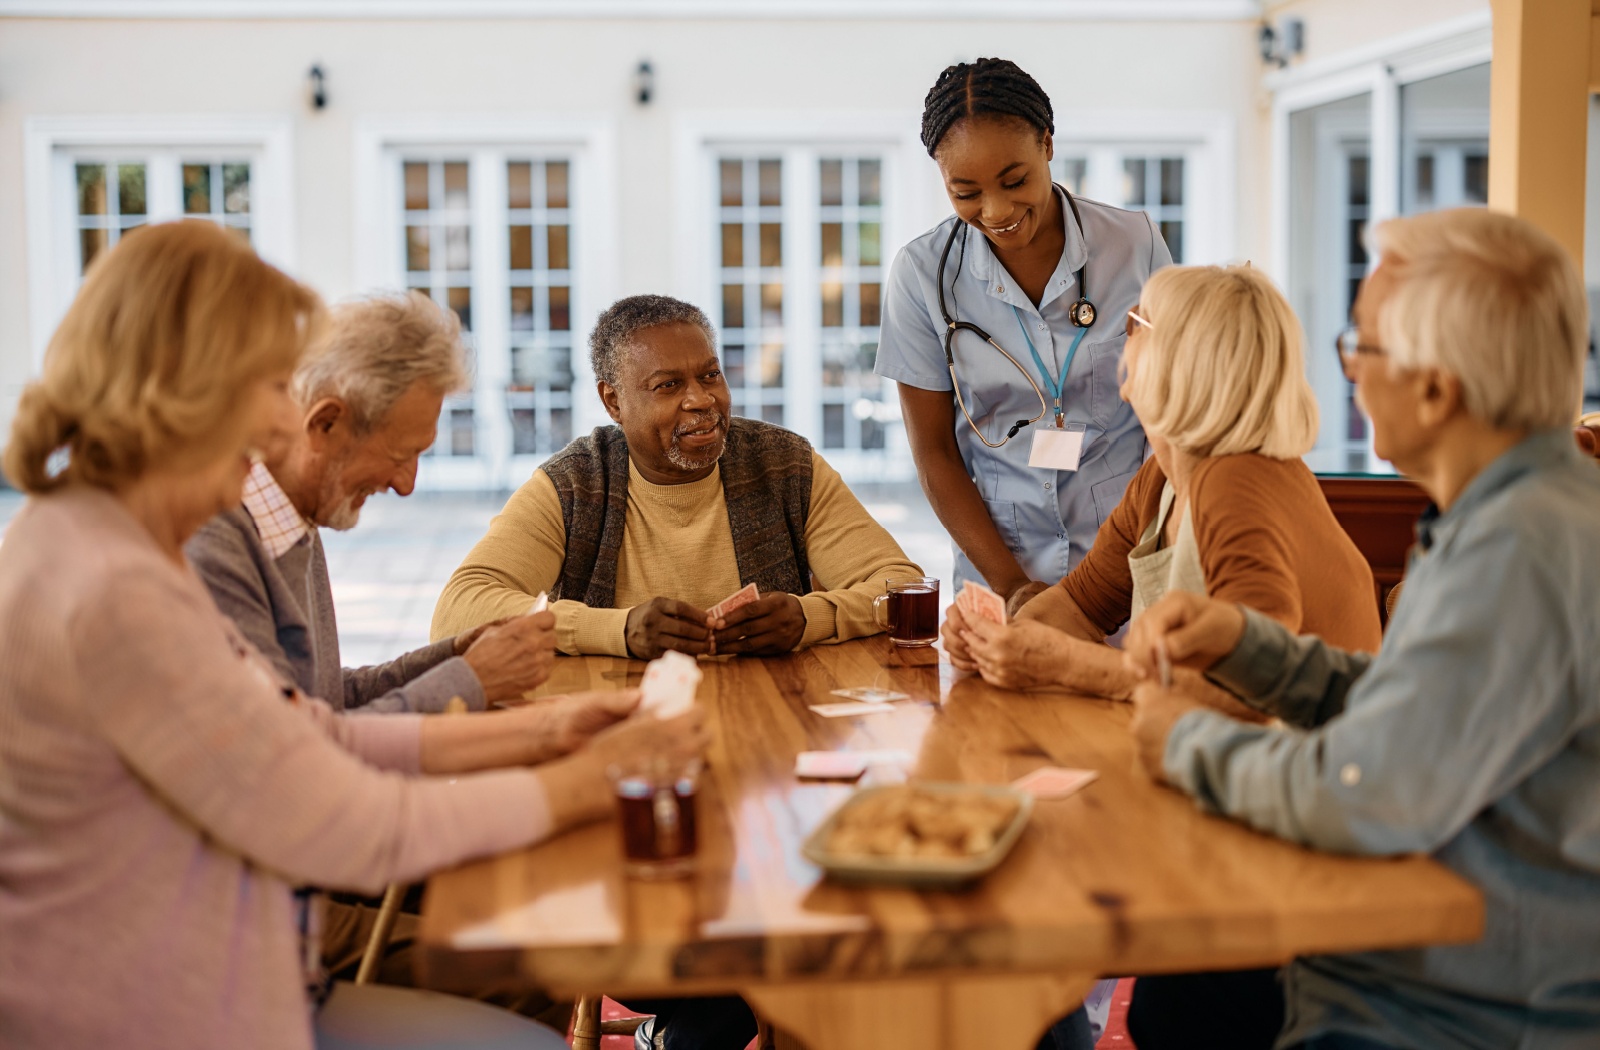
(1081, 313)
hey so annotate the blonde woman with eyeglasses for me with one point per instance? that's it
(1215, 369)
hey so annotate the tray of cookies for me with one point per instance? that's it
(925, 834)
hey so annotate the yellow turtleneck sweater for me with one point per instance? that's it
(675, 544)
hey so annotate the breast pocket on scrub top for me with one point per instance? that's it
(1105, 382)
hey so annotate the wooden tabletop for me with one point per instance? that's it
(1125, 877)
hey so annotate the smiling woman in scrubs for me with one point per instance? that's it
(1047, 278)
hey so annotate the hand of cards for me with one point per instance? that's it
(737, 600)
(976, 600)
(669, 685)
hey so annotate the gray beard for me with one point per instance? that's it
(689, 464)
(344, 516)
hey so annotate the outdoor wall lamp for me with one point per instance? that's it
(1282, 43)
(319, 93)
(644, 82)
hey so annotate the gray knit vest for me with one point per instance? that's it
(766, 480)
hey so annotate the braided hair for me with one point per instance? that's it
(990, 85)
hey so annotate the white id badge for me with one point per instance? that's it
(1057, 448)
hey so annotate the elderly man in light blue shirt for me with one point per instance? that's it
(1475, 734)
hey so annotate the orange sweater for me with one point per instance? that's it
(1267, 541)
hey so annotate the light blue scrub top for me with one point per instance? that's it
(1048, 518)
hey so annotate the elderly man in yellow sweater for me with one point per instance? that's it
(639, 528)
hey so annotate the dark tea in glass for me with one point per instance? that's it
(909, 610)
(658, 823)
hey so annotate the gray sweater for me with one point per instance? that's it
(284, 606)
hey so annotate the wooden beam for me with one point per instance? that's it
(1539, 114)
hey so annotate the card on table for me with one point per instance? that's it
(1053, 782)
(845, 765)
(737, 600)
(977, 600)
(669, 684)
(848, 708)
(871, 695)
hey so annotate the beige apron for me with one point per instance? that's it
(1157, 569)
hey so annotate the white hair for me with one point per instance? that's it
(376, 348)
(1495, 302)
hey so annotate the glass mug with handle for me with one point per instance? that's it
(656, 804)
(909, 610)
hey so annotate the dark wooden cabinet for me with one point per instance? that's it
(1380, 514)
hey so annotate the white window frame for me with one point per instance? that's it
(1381, 68)
(798, 139)
(51, 145)
(381, 143)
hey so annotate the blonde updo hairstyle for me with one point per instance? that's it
(1222, 368)
(149, 366)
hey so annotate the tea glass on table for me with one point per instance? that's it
(656, 808)
(909, 610)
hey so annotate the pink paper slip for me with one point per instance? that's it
(1053, 782)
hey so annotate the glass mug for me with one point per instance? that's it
(912, 616)
(656, 807)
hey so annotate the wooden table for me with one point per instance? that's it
(1123, 878)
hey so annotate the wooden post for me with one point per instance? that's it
(1539, 114)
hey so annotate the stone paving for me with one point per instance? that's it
(389, 570)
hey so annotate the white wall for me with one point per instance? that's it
(1095, 72)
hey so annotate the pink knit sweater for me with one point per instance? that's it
(159, 799)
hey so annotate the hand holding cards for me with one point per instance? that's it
(737, 600)
(669, 685)
(978, 601)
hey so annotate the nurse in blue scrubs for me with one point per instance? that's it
(1003, 327)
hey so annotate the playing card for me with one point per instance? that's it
(871, 696)
(540, 604)
(740, 598)
(980, 601)
(669, 684)
(1163, 663)
(845, 765)
(845, 710)
(1052, 782)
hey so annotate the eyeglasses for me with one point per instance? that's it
(1130, 325)
(1348, 345)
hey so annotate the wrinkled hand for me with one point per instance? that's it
(575, 719)
(955, 646)
(665, 623)
(513, 657)
(1023, 595)
(675, 740)
(772, 624)
(1198, 631)
(1155, 711)
(1021, 655)
(464, 640)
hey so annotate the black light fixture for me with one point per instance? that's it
(1281, 43)
(644, 82)
(319, 93)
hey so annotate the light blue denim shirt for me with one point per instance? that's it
(1048, 518)
(1474, 735)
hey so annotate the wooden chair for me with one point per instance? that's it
(587, 1027)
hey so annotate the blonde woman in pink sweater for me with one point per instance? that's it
(161, 797)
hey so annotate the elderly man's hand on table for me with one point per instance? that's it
(1155, 711)
(661, 624)
(768, 626)
(1024, 654)
(512, 656)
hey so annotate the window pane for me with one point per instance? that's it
(460, 300)
(461, 435)
(455, 185)
(236, 189)
(1477, 178)
(519, 185)
(1171, 181)
(91, 189)
(832, 182)
(416, 176)
(732, 180)
(521, 247)
(1444, 140)
(560, 308)
(1133, 182)
(130, 189)
(870, 237)
(832, 304)
(833, 426)
(732, 244)
(522, 309)
(870, 294)
(556, 248)
(1070, 172)
(733, 306)
(771, 244)
(832, 244)
(417, 257)
(91, 243)
(772, 306)
(458, 248)
(1172, 233)
(197, 189)
(555, 184)
(772, 364)
(871, 179)
(771, 182)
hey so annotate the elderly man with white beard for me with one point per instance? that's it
(641, 528)
(369, 392)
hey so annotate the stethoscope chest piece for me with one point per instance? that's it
(1082, 314)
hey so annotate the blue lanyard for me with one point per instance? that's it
(1055, 386)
